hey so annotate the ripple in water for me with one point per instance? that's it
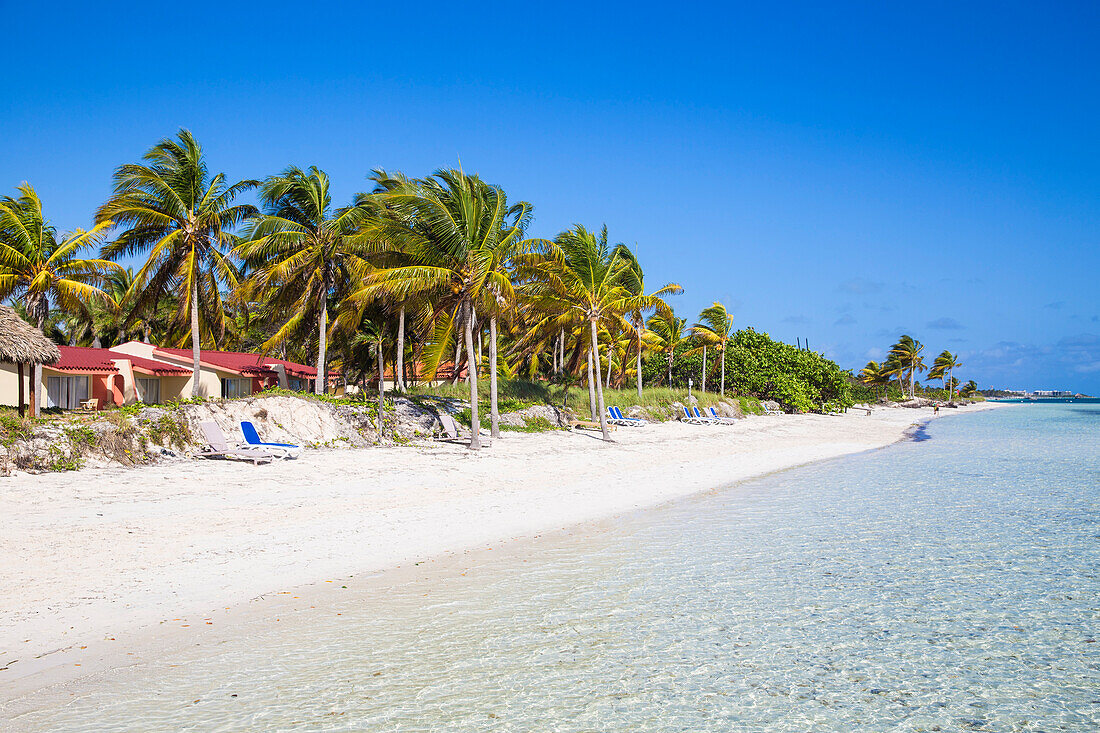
(950, 585)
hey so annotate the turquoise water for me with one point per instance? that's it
(950, 584)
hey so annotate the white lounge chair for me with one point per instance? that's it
(692, 419)
(721, 420)
(771, 410)
(218, 447)
(615, 417)
(451, 431)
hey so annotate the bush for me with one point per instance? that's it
(759, 366)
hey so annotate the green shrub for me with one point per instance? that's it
(171, 430)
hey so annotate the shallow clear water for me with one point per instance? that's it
(950, 584)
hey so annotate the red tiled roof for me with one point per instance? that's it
(150, 366)
(84, 359)
(251, 364)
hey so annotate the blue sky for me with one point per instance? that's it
(842, 173)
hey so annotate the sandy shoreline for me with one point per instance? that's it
(97, 557)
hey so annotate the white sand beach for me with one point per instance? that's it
(95, 555)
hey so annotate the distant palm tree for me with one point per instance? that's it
(906, 354)
(968, 389)
(303, 253)
(942, 369)
(714, 328)
(874, 375)
(35, 266)
(181, 217)
(666, 335)
(634, 281)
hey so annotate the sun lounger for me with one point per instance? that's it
(587, 425)
(704, 416)
(771, 410)
(218, 447)
(721, 420)
(615, 417)
(451, 432)
(693, 419)
(252, 438)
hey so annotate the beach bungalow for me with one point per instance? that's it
(226, 373)
(95, 378)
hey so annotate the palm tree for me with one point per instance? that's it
(714, 328)
(968, 389)
(875, 375)
(456, 234)
(942, 369)
(634, 281)
(579, 277)
(181, 217)
(303, 253)
(667, 333)
(36, 267)
(906, 354)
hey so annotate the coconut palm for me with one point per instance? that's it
(580, 278)
(714, 328)
(968, 389)
(181, 216)
(37, 267)
(942, 369)
(303, 253)
(906, 355)
(456, 234)
(875, 375)
(634, 281)
(666, 332)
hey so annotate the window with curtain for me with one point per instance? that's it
(236, 388)
(66, 392)
(149, 390)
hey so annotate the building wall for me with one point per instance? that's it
(9, 384)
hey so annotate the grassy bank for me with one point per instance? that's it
(518, 394)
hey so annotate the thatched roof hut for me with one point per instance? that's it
(22, 343)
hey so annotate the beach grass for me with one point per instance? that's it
(518, 394)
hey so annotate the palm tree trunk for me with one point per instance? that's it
(195, 334)
(381, 388)
(475, 420)
(399, 373)
(479, 347)
(494, 412)
(638, 366)
(722, 353)
(591, 389)
(322, 327)
(609, 347)
(561, 349)
(36, 388)
(458, 356)
(599, 386)
(704, 387)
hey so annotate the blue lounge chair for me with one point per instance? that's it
(616, 418)
(692, 419)
(721, 420)
(251, 437)
(707, 419)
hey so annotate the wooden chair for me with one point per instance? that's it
(91, 405)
